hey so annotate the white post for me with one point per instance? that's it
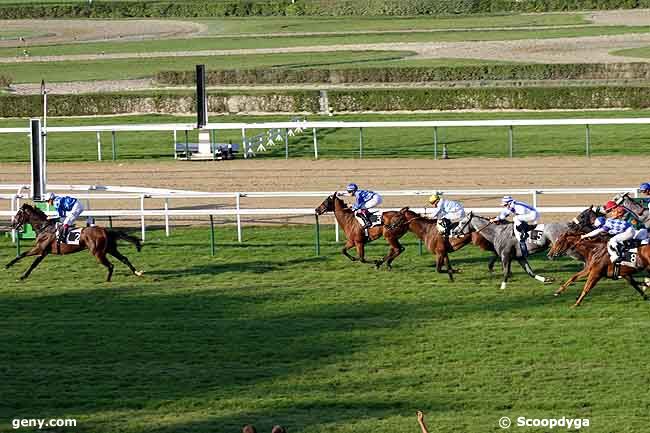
(336, 230)
(238, 218)
(13, 212)
(534, 198)
(175, 136)
(167, 231)
(315, 144)
(142, 216)
(243, 142)
(45, 126)
(99, 147)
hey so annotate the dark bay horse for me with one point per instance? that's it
(439, 245)
(355, 233)
(99, 241)
(597, 265)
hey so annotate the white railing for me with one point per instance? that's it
(314, 125)
(141, 196)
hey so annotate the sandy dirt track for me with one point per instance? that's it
(331, 175)
(71, 31)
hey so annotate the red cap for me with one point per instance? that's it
(610, 205)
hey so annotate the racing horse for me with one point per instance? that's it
(355, 234)
(506, 245)
(597, 262)
(98, 240)
(440, 246)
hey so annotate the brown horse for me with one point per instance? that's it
(355, 233)
(99, 241)
(597, 262)
(439, 245)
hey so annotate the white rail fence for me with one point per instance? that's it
(315, 125)
(141, 198)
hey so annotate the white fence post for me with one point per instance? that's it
(315, 144)
(534, 192)
(142, 216)
(167, 231)
(238, 217)
(336, 230)
(99, 147)
(13, 212)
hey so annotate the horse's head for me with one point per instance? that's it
(327, 205)
(403, 217)
(585, 219)
(464, 226)
(564, 243)
(28, 214)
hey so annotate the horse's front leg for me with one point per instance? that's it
(526, 266)
(344, 251)
(361, 252)
(583, 273)
(33, 252)
(35, 263)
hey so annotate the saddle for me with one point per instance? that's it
(73, 236)
(373, 218)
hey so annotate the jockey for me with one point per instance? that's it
(644, 188)
(364, 200)
(69, 209)
(447, 212)
(620, 230)
(524, 215)
(615, 211)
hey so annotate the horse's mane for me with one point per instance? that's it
(39, 213)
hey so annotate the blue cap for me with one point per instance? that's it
(645, 186)
(352, 187)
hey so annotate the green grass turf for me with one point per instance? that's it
(267, 333)
(340, 143)
(142, 68)
(633, 52)
(233, 26)
(167, 45)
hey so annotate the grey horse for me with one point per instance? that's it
(640, 213)
(506, 245)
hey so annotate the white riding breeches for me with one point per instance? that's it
(616, 239)
(455, 216)
(74, 213)
(375, 201)
(529, 218)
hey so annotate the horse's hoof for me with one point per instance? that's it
(139, 273)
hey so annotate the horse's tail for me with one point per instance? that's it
(117, 234)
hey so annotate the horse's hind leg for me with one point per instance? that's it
(101, 258)
(491, 263)
(35, 263)
(122, 258)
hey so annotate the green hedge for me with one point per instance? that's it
(207, 8)
(612, 71)
(532, 98)
(156, 102)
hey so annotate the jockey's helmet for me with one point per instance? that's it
(434, 197)
(599, 221)
(506, 199)
(610, 205)
(645, 186)
(352, 187)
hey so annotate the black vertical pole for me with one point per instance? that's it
(38, 161)
(201, 100)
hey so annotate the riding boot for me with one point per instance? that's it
(63, 234)
(446, 224)
(524, 248)
(365, 216)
